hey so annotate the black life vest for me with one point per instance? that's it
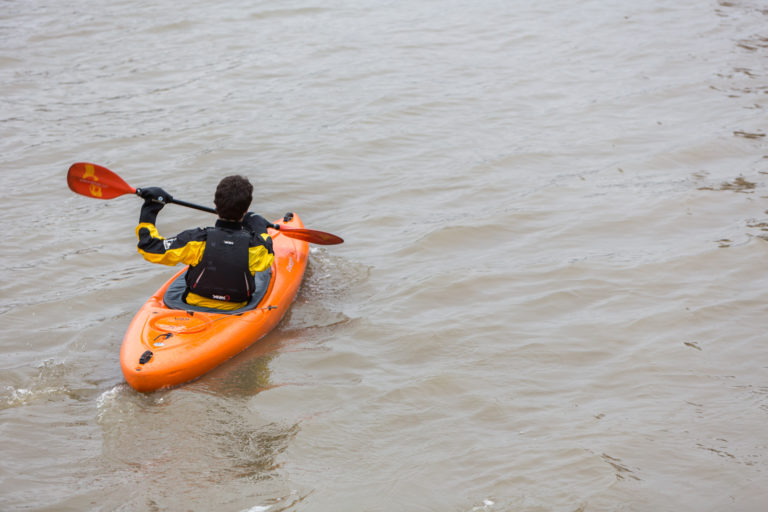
(223, 272)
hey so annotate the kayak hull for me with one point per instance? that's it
(165, 347)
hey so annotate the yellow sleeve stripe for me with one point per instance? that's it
(259, 259)
(152, 230)
(190, 254)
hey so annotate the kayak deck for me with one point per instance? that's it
(165, 347)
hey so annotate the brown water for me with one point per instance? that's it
(552, 292)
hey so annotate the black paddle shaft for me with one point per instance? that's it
(192, 205)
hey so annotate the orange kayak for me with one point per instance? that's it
(169, 342)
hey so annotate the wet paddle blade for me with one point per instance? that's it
(93, 180)
(311, 235)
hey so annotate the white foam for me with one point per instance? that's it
(487, 504)
(107, 397)
(108, 400)
(24, 396)
(18, 396)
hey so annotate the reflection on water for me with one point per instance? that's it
(245, 375)
(188, 442)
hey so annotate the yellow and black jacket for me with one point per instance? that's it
(222, 279)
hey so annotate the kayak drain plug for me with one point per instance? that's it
(145, 357)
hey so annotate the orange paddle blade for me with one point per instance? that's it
(311, 235)
(93, 180)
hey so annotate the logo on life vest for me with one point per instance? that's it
(167, 243)
(220, 297)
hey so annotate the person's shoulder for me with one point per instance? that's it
(193, 234)
(256, 223)
(261, 239)
(261, 236)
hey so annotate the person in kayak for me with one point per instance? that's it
(222, 259)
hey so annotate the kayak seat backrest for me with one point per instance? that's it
(174, 295)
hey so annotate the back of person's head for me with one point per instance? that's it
(233, 197)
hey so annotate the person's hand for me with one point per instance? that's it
(155, 195)
(154, 200)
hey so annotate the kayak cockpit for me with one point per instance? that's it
(173, 297)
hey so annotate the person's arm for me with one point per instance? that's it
(186, 247)
(261, 255)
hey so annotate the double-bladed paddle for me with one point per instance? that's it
(93, 180)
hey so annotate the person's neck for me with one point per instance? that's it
(228, 224)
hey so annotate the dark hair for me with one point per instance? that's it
(233, 197)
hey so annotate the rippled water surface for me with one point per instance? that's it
(552, 294)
